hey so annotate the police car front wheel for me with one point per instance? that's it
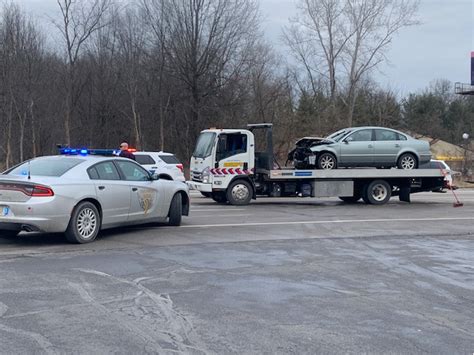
(176, 210)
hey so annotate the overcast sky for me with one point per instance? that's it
(438, 48)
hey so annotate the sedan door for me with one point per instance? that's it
(357, 149)
(146, 196)
(113, 193)
(387, 145)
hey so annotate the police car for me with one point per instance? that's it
(82, 191)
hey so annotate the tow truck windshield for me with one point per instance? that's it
(204, 145)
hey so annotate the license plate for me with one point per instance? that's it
(5, 210)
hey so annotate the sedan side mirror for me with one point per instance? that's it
(154, 176)
(348, 139)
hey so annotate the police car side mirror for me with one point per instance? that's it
(154, 177)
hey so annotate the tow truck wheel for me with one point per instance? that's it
(239, 193)
(377, 192)
(219, 197)
(327, 161)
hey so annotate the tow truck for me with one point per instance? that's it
(237, 165)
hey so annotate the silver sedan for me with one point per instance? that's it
(368, 147)
(81, 194)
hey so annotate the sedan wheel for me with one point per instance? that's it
(327, 161)
(84, 225)
(407, 162)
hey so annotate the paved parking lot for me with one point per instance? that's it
(278, 276)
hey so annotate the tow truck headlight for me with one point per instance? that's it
(206, 175)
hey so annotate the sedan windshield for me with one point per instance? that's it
(45, 167)
(204, 145)
(337, 136)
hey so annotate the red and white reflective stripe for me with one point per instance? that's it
(230, 171)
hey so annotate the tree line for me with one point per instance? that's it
(156, 72)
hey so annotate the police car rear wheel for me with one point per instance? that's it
(84, 225)
(176, 210)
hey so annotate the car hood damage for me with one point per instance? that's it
(302, 155)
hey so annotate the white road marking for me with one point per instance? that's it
(221, 215)
(330, 221)
(218, 209)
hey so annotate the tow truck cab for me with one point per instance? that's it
(221, 156)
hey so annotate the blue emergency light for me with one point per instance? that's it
(84, 151)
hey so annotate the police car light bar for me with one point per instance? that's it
(84, 151)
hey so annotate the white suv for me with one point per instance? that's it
(447, 172)
(164, 164)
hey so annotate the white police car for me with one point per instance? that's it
(165, 165)
(82, 191)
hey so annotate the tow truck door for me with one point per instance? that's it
(235, 152)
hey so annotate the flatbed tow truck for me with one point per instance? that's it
(227, 166)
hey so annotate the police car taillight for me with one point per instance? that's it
(180, 167)
(42, 191)
(28, 190)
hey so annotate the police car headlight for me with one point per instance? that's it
(206, 175)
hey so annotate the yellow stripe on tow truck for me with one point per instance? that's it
(232, 164)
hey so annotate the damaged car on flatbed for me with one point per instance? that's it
(360, 147)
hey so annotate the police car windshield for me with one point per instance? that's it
(45, 167)
(204, 145)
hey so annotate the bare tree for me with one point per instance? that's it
(79, 21)
(353, 35)
(373, 24)
(208, 46)
(317, 37)
(154, 12)
(21, 52)
(131, 51)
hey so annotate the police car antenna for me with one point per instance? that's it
(29, 171)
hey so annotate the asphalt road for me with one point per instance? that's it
(278, 276)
